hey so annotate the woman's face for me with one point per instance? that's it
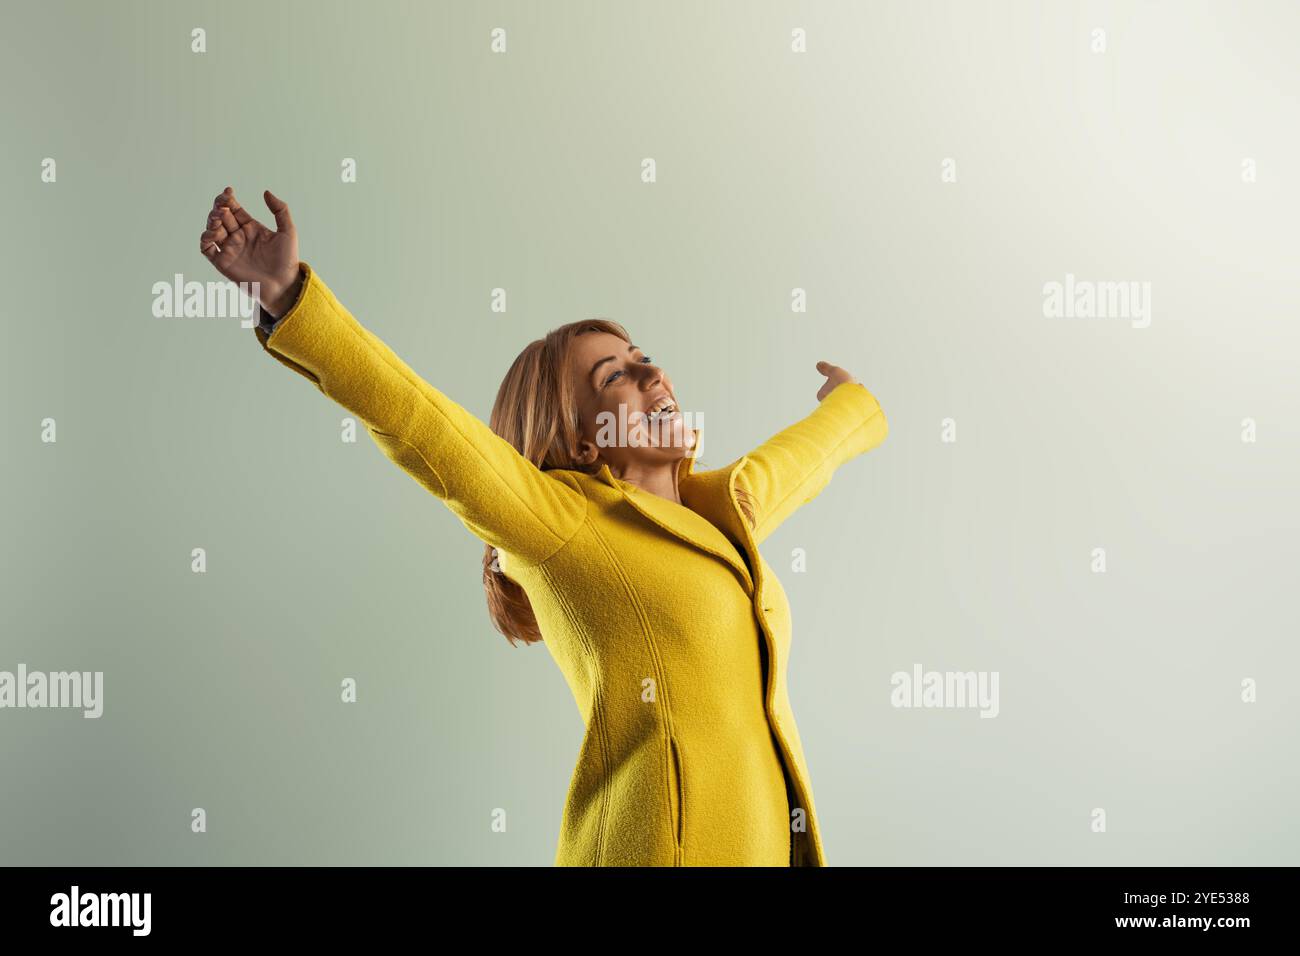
(627, 405)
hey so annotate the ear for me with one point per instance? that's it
(587, 452)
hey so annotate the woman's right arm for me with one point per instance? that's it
(499, 495)
(503, 498)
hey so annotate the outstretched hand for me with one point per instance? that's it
(244, 250)
(834, 376)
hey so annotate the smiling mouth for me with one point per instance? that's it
(662, 411)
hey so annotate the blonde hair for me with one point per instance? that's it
(537, 413)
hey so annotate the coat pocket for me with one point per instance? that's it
(677, 790)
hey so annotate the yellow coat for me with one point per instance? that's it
(662, 617)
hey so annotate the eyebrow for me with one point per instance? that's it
(610, 358)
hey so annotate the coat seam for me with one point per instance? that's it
(419, 454)
(585, 519)
(597, 715)
(661, 683)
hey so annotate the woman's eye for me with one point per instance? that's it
(645, 359)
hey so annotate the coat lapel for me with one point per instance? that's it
(707, 518)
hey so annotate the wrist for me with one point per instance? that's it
(277, 297)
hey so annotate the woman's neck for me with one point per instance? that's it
(659, 479)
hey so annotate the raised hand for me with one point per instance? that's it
(834, 376)
(244, 250)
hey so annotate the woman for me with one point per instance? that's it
(642, 573)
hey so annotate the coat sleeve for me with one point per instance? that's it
(500, 496)
(793, 466)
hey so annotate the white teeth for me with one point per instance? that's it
(660, 408)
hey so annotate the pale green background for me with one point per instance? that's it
(776, 171)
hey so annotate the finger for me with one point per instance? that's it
(214, 220)
(221, 202)
(207, 246)
(825, 367)
(227, 200)
(226, 219)
(217, 234)
(280, 209)
(216, 227)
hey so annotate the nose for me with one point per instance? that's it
(652, 376)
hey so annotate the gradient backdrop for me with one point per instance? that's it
(776, 170)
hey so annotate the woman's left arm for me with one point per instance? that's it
(793, 466)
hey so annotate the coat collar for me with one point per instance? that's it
(708, 517)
